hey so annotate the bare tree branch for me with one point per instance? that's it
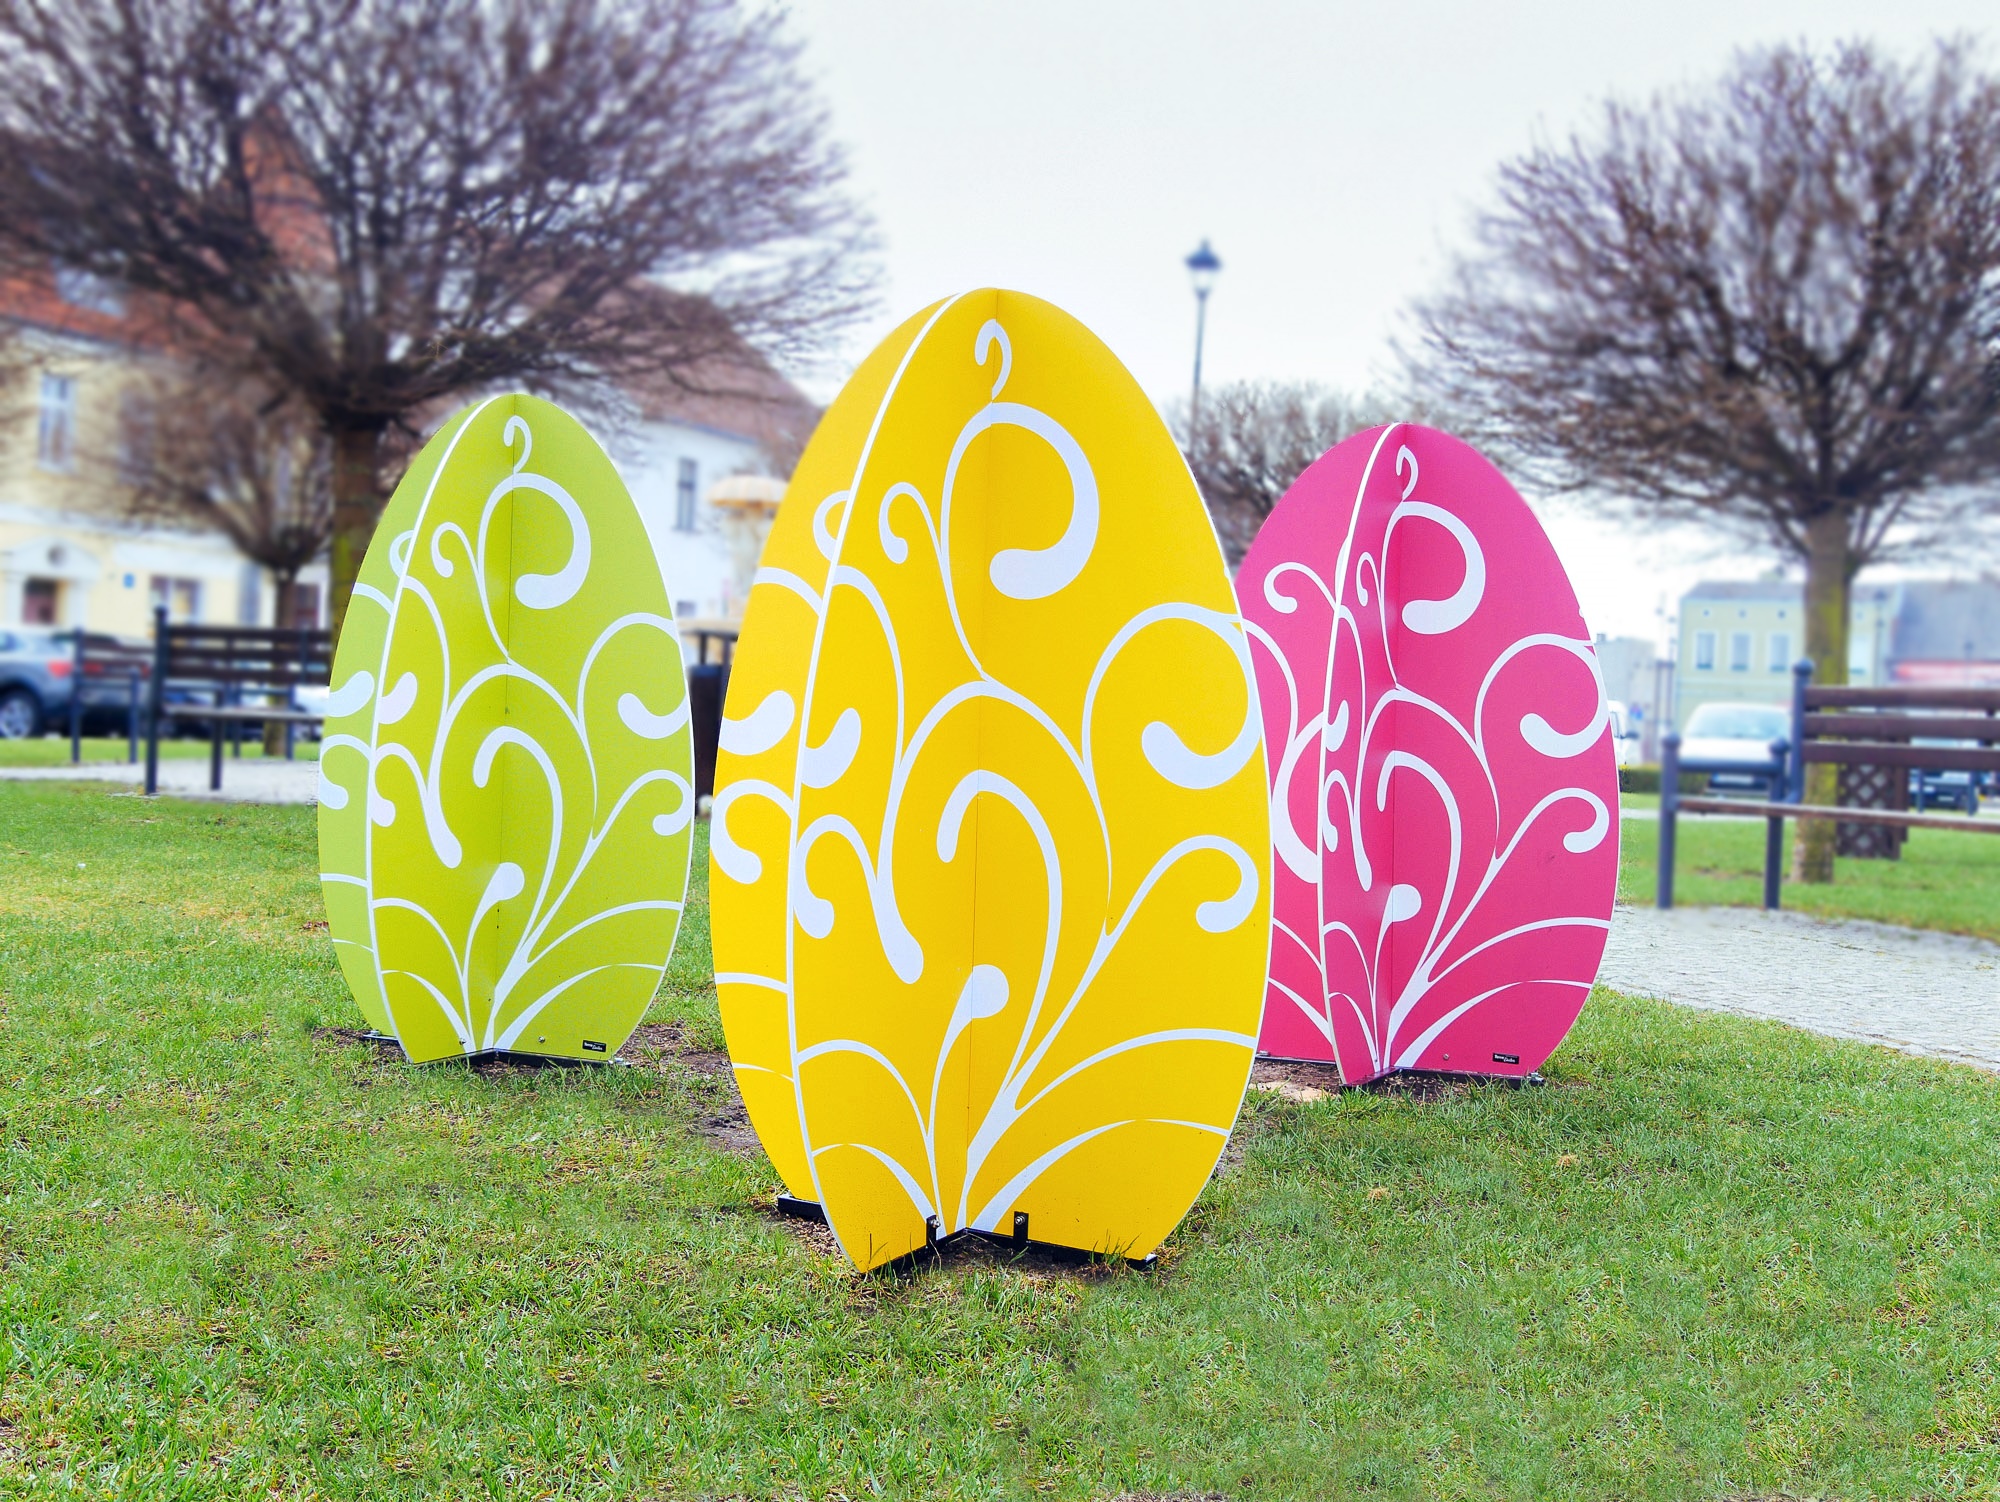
(1254, 438)
(1761, 305)
(216, 450)
(1774, 305)
(389, 203)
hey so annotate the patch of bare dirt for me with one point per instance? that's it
(1299, 1080)
(666, 1046)
(816, 1234)
(385, 1046)
(653, 1043)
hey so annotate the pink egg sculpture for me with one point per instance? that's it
(1444, 793)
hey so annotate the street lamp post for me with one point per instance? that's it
(1202, 267)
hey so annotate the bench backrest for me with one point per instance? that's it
(254, 659)
(98, 657)
(703, 645)
(1876, 726)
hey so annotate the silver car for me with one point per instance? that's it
(37, 668)
(1738, 735)
(34, 680)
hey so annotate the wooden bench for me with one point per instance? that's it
(1844, 726)
(229, 664)
(106, 665)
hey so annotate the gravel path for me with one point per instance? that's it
(257, 781)
(1922, 992)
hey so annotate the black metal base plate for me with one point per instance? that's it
(812, 1210)
(504, 1056)
(1533, 1077)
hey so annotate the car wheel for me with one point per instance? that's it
(20, 714)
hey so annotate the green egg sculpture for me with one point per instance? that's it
(507, 775)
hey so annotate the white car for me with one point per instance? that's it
(312, 698)
(1625, 740)
(1734, 735)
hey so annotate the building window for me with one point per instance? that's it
(57, 443)
(182, 597)
(1704, 651)
(684, 487)
(136, 427)
(684, 608)
(1781, 651)
(305, 605)
(38, 602)
(1739, 651)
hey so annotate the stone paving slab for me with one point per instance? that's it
(1911, 989)
(255, 781)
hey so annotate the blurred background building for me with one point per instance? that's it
(76, 420)
(73, 427)
(1738, 640)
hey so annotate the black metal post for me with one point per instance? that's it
(1670, 802)
(76, 700)
(215, 749)
(292, 692)
(1200, 333)
(153, 699)
(1802, 672)
(1202, 268)
(1774, 827)
(132, 721)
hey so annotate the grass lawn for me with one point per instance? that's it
(1944, 880)
(53, 750)
(1713, 1258)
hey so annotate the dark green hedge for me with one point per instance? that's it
(1647, 780)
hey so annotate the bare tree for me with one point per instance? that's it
(1254, 438)
(233, 458)
(1773, 305)
(218, 451)
(390, 203)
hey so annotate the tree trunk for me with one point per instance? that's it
(283, 613)
(357, 503)
(1828, 572)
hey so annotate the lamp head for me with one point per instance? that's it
(1202, 267)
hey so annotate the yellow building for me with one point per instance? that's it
(74, 424)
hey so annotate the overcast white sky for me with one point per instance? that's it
(1332, 152)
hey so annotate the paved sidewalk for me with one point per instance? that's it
(1922, 992)
(254, 781)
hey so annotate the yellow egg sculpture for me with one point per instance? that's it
(990, 843)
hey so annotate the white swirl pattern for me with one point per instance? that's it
(1383, 752)
(942, 1172)
(471, 708)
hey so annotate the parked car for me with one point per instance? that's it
(1930, 788)
(313, 699)
(1735, 733)
(36, 682)
(1624, 733)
